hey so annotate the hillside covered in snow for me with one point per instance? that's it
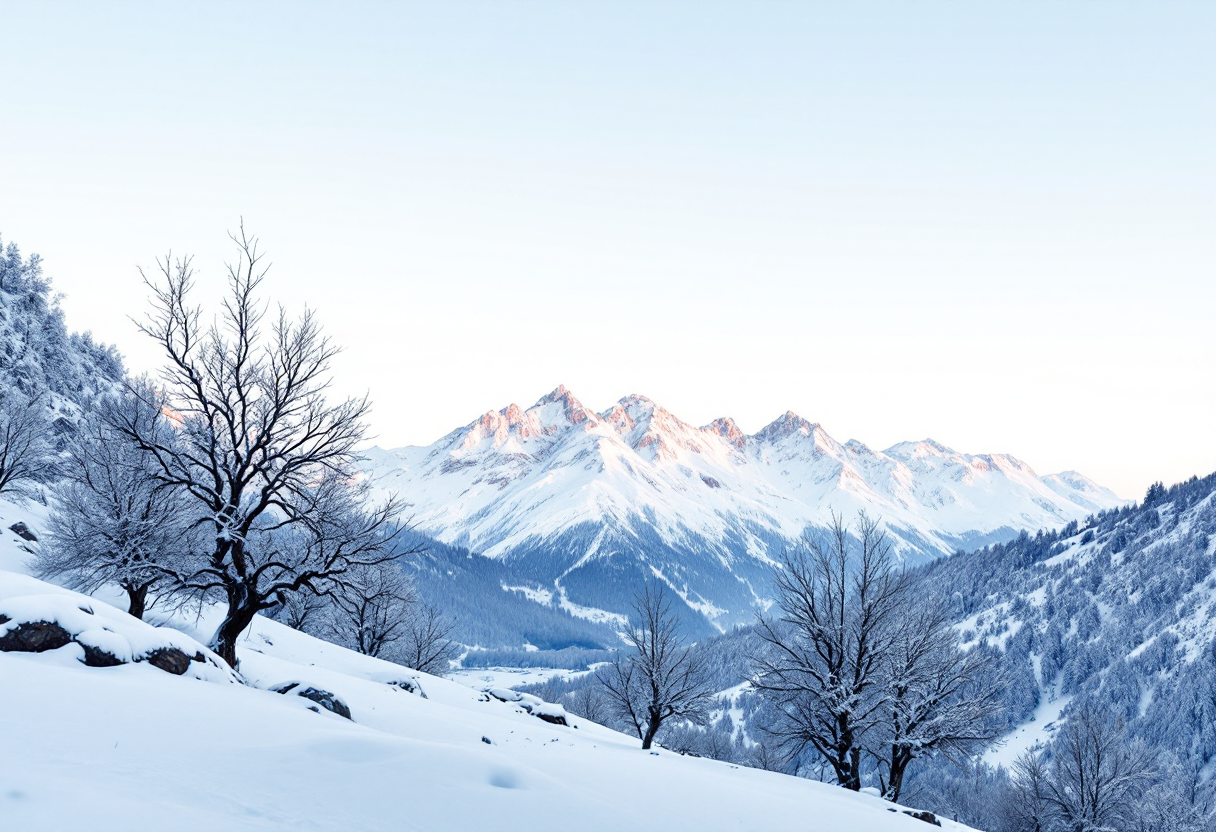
(134, 745)
(40, 359)
(1118, 614)
(581, 505)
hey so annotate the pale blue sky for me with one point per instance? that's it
(989, 223)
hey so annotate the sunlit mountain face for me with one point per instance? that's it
(580, 503)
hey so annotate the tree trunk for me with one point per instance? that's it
(652, 728)
(138, 600)
(238, 618)
(853, 779)
(899, 764)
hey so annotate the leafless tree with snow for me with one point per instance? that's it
(265, 460)
(303, 611)
(1027, 809)
(840, 602)
(112, 521)
(939, 699)
(588, 702)
(427, 644)
(663, 679)
(1097, 777)
(1091, 778)
(369, 611)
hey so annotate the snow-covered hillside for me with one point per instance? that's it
(39, 357)
(561, 489)
(133, 746)
(1120, 612)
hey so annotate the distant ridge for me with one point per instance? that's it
(559, 490)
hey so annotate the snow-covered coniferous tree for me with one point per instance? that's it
(26, 457)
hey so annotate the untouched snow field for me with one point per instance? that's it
(135, 747)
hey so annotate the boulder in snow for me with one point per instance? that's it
(409, 686)
(36, 623)
(324, 698)
(539, 708)
(31, 636)
(23, 531)
(170, 660)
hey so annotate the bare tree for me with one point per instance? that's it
(588, 702)
(369, 610)
(112, 521)
(1027, 808)
(427, 644)
(26, 458)
(765, 756)
(1097, 778)
(821, 664)
(664, 678)
(265, 460)
(939, 698)
(303, 611)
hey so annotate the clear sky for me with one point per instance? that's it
(992, 224)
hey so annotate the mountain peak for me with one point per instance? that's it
(786, 425)
(650, 429)
(728, 429)
(559, 394)
(540, 472)
(1077, 483)
(571, 407)
(906, 451)
(514, 414)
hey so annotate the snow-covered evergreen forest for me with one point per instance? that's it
(1063, 680)
(1110, 618)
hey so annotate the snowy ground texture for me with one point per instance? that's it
(135, 747)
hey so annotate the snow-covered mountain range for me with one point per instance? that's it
(581, 501)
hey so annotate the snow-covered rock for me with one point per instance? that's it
(37, 617)
(329, 701)
(539, 708)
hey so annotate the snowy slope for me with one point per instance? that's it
(1120, 612)
(561, 487)
(134, 747)
(39, 356)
